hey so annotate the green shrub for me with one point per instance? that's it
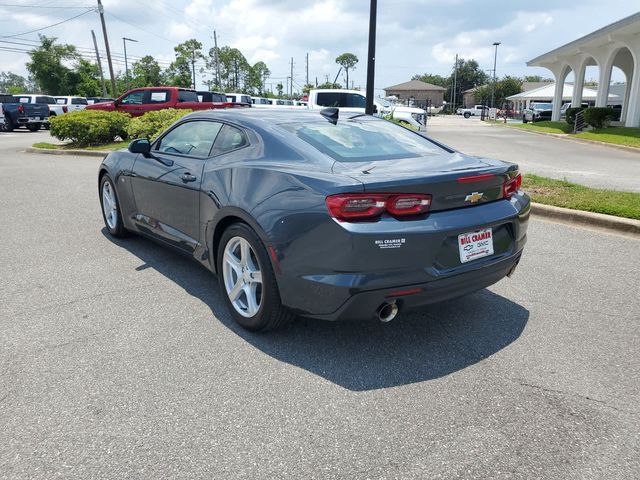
(152, 124)
(570, 114)
(598, 117)
(90, 127)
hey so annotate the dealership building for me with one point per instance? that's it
(616, 45)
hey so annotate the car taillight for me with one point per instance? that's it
(511, 186)
(362, 206)
(20, 108)
(65, 109)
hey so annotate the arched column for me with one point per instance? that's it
(560, 72)
(578, 65)
(632, 94)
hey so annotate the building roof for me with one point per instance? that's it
(547, 91)
(599, 37)
(414, 85)
(526, 86)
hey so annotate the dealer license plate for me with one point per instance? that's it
(34, 119)
(475, 245)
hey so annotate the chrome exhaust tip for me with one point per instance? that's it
(387, 312)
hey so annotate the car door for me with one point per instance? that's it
(166, 183)
(133, 103)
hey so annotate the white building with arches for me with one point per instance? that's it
(616, 45)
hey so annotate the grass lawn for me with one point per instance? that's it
(71, 146)
(618, 135)
(565, 194)
(547, 127)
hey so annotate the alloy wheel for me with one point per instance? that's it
(109, 205)
(242, 277)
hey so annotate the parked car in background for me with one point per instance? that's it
(239, 98)
(355, 101)
(16, 114)
(258, 101)
(92, 100)
(537, 112)
(139, 101)
(214, 97)
(476, 110)
(322, 214)
(54, 108)
(73, 104)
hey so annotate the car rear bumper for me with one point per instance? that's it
(340, 283)
(364, 305)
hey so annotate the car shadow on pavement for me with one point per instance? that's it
(417, 346)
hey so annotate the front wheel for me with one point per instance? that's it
(111, 208)
(467, 114)
(524, 119)
(248, 282)
(9, 126)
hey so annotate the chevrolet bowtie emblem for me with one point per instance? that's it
(474, 197)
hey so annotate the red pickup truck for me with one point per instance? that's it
(139, 101)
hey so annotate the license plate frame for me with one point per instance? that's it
(475, 245)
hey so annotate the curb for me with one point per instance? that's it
(83, 153)
(567, 136)
(610, 222)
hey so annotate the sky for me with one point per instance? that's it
(413, 36)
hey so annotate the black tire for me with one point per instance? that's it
(524, 119)
(467, 114)
(118, 229)
(8, 124)
(271, 313)
(34, 127)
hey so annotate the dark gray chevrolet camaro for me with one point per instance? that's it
(305, 213)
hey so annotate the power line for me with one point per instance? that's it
(14, 5)
(48, 26)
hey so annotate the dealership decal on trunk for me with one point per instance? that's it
(390, 243)
(475, 245)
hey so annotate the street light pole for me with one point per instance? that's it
(371, 57)
(493, 89)
(126, 64)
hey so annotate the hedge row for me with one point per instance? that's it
(597, 117)
(95, 127)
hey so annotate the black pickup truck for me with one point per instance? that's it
(16, 114)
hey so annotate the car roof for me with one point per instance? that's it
(261, 118)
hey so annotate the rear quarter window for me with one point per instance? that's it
(187, 96)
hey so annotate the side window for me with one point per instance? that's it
(328, 99)
(191, 138)
(158, 96)
(133, 98)
(24, 99)
(230, 138)
(61, 101)
(187, 96)
(79, 101)
(356, 101)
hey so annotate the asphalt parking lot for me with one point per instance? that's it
(588, 164)
(118, 360)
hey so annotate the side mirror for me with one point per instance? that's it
(141, 145)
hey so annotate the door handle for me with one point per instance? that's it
(187, 177)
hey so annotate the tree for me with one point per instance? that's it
(505, 87)
(187, 53)
(307, 87)
(256, 77)
(146, 72)
(347, 61)
(279, 89)
(330, 85)
(14, 83)
(46, 66)
(84, 80)
(536, 78)
(432, 79)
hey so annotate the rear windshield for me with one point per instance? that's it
(79, 101)
(47, 100)
(363, 140)
(187, 96)
(543, 106)
(340, 100)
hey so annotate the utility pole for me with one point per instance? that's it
(193, 68)
(95, 45)
(455, 82)
(291, 89)
(215, 44)
(371, 57)
(493, 89)
(106, 45)
(307, 83)
(126, 64)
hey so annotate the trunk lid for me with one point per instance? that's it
(453, 180)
